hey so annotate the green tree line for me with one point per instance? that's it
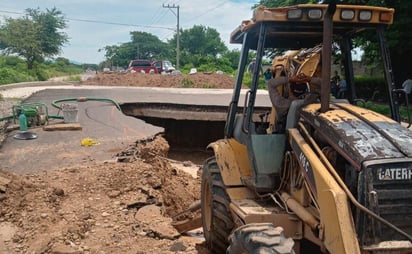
(200, 47)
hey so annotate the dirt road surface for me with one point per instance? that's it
(106, 207)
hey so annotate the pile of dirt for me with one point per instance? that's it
(197, 80)
(123, 207)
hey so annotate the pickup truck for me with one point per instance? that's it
(164, 66)
(142, 66)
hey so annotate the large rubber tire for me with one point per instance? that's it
(216, 217)
(259, 238)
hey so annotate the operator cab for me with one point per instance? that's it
(299, 29)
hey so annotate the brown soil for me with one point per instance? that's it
(197, 80)
(113, 207)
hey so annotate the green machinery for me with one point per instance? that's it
(36, 113)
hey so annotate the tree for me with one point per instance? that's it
(148, 46)
(233, 57)
(200, 40)
(399, 39)
(118, 55)
(197, 44)
(35, 36)
(143, 46)
(200, 46)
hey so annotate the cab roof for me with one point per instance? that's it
(301, 26)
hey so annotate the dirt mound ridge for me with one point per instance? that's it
(197, 80)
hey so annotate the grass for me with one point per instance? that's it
(385, 109)
(74, 78)
(187, 83)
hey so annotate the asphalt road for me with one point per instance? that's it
(99, 120)
(194, 96)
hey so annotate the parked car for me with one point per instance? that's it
(142, 66)
(164, 66)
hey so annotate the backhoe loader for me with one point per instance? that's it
(328, 176)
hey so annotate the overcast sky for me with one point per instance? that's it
(94, 24)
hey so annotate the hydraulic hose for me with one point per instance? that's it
(84, 99)
(331, 170)
(6, 118)
(79, 99)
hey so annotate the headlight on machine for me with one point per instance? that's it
(294, 14)
(347, 14)
(365, 15)
(315, 14)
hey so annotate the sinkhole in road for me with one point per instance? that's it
(188, 139)
(188, 129)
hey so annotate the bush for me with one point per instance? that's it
(384, 109)
(13, 61)
(9, 76)
(247, 80)
(74, 78)
(187, 83)
(14, 70)
(40, 72)
(371, 88)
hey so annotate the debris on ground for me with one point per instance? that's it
(137, 206)
(99, 207)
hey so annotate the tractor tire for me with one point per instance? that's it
(257, 238)
(216, 217)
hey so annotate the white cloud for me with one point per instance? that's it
(86, 38)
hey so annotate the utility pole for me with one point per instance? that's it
(177, 31)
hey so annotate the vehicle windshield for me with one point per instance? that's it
(140, 63)
(167, 64)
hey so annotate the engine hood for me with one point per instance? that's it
(359, 133)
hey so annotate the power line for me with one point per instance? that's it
(208, 11)
(155, 18)
(158, 16)
(12, 12)
(101, 22)
(118, 24)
